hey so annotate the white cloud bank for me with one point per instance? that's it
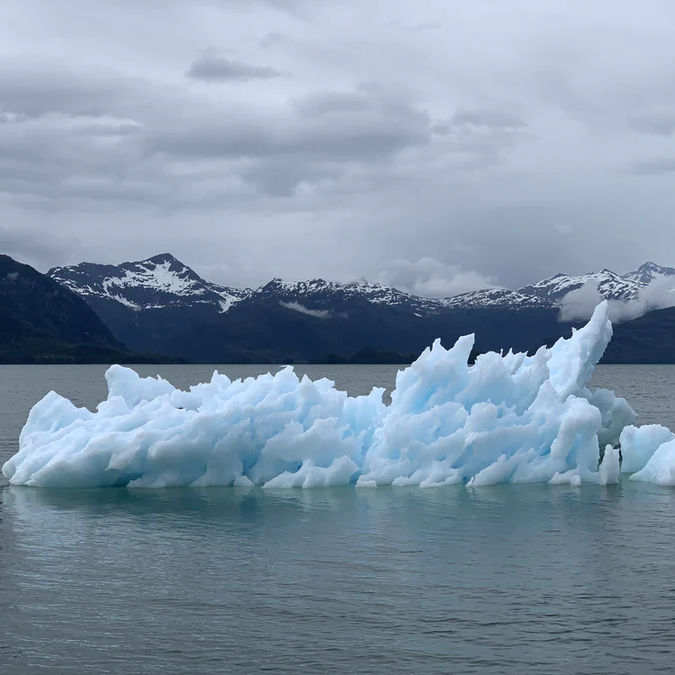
(579, 304)
(432, 278)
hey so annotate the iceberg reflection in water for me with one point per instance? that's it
(509, 418)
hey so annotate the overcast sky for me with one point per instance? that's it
(437, 145)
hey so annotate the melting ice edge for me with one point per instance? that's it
(509, 418)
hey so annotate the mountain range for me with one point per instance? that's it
(159, 309)
(160, 305)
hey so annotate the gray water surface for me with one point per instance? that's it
(544, 579)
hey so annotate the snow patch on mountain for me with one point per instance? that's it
(160, 277)
(630, 295)
(153, 283)
(649, 273)
(498, 297)
(331, 294)
(610, 285)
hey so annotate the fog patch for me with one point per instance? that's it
(578, 305)
(316, 313)
(432, 278)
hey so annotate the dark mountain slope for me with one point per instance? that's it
(147, 302)
(41, 321)
(267, 330)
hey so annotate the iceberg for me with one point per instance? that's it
(508, 418)
(649, 454)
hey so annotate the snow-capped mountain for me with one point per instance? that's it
(649, 273)
(319, 294)
(163, 281)
(161, 305)
(157, 282)
(609, 284)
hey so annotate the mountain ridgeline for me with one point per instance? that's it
(159, 305)
(159, 309)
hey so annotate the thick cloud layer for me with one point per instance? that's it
(303, 139)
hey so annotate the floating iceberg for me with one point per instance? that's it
(509, 418)
(649, 454)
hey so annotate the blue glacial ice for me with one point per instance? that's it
(508, 418)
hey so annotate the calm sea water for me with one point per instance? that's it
(505, 579)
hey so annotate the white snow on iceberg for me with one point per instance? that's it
(507, 418)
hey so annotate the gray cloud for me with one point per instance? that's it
(282, 177)
(35, 88)
(376, 126)
(429, 277)
(655, 166)
(660, 123)
(494, 146)
(36, 247)
(487, 118)
(211, 67)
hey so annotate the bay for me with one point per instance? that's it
(548, 579)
